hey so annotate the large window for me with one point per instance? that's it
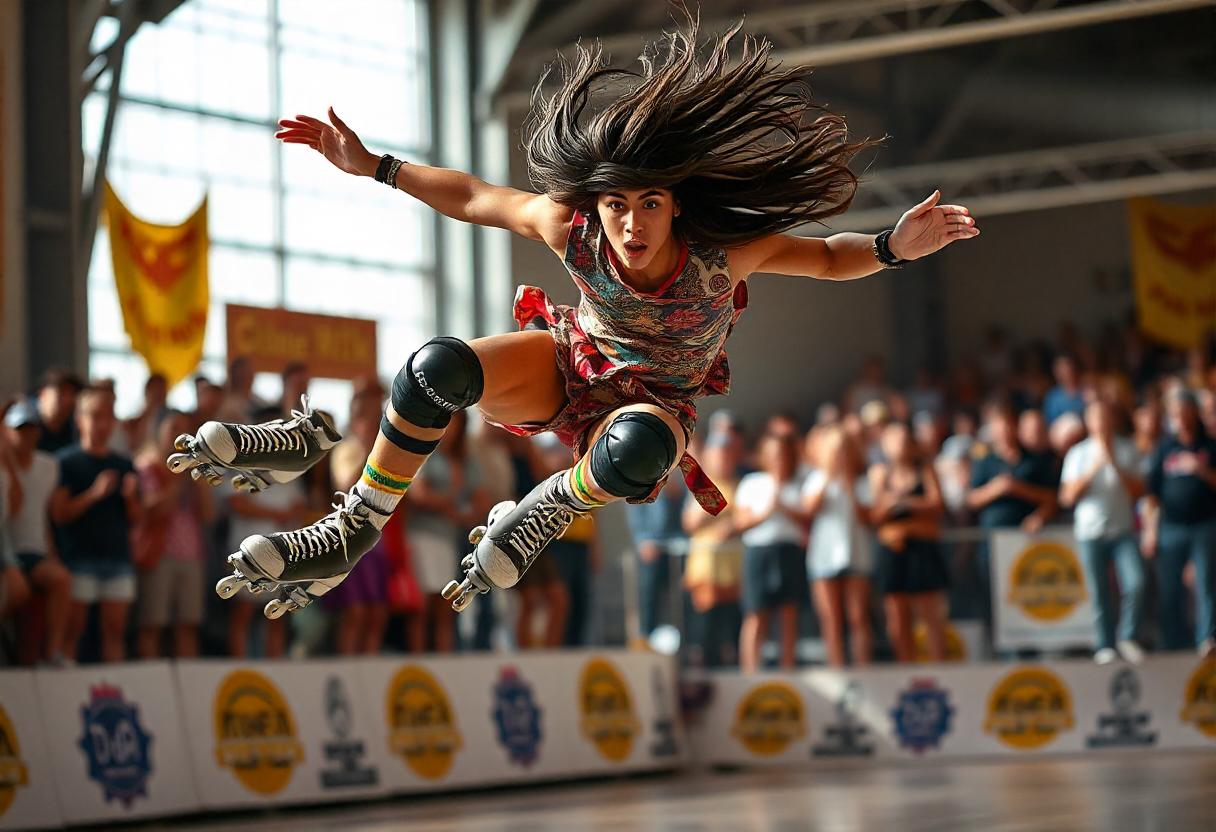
(201, 94)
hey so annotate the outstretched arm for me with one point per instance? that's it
(926, 228)
(453, 193)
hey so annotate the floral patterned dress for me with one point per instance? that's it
(622, 346)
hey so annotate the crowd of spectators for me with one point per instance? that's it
(866, 528)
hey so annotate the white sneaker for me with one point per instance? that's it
(1105, 656)
(1131, 651)
(1207, 650)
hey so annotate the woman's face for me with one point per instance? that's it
(897, 443)
(637, 222)
(779, 456)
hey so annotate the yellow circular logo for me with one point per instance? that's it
(13, 772)
(255, 733)
(421, 724)
(956, 648)
(1199, 701)
(769, 718)
(608, 720)
(1028, 708)
(1046, 581)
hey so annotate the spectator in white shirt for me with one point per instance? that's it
(768, 505)
(1100, 479)
(840, 557)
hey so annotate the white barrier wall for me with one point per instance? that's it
(27, 781)
(114, 733)
(297, 732)
(942, 711)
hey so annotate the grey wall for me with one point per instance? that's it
(12, 225)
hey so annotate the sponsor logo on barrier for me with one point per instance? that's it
(1126, 726)
(1028, 708)
(956, 648)
(1199, 702)
(344, 753)
(1046, 581)
(847, 736)
(769, 718)
(664, 725)
(255, 732)
(422, 726)
(608, 719)
(13, 771)
(517, 717)
(115, 745)
(921, 715)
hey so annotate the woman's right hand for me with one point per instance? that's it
(335, 141)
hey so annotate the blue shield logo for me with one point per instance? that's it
(922, 715)
(517, 717)
(115, 745)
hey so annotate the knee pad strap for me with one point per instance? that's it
(633, 454)
(406, 442)
(443, 376)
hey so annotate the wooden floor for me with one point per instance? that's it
(1150, 791)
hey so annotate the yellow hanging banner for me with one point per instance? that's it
(161, 275)
(1174, 266)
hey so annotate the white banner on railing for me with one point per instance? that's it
(449, 722)
(1040, 596)
(114, 733)
(27, 780)
(274, 732)
(922, 711)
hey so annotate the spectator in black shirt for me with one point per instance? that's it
(94, 509)
(1010, 488)
(56, 405)
(1180, 523)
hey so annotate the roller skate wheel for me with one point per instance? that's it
(277, 609)
(243, 484)
(462, 603)
(450, 590)
(477, 534)
(182, 443)
(229, 585)
(467, 562)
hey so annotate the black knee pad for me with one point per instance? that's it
(443, 376)
(633, 454)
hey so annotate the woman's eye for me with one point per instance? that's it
(615, 206)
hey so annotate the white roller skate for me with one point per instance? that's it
(513, 536)
(306, 563)
(260, 455)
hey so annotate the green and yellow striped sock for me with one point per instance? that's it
(577, 481)
(381, 488)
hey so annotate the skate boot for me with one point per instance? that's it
(513, 536)
(261, 455)
(308, 562)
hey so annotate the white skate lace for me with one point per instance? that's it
(331, 530)
(276, 436)
(540, 525)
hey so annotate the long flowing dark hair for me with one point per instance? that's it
(741, 144)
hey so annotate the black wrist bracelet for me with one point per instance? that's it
(382, 168)
(882, 250)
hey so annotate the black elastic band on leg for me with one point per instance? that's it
(406, 442)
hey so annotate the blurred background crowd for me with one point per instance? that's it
(854, 539)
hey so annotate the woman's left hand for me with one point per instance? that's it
(930, 227)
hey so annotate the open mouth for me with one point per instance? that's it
(634, 249)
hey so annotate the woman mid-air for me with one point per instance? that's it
(661, 190)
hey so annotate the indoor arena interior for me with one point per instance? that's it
(416, 414)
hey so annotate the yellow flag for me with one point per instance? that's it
(1174, 264)
(161, 275)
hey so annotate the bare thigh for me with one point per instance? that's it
(522, 382)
